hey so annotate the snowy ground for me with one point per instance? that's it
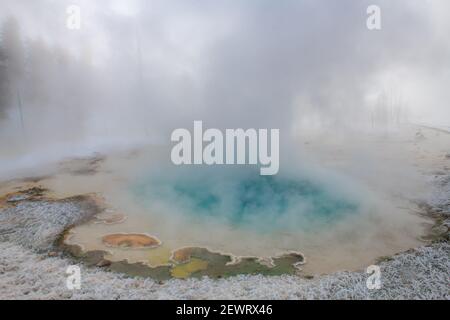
(419, 274)
(30, 270)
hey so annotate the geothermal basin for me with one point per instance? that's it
(338, 212)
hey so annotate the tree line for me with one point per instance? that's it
(37, 77)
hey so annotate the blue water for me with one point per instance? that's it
(243, 198)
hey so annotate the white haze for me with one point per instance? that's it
(139, 69)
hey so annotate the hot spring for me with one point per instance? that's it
(243, 199)
(229, 220)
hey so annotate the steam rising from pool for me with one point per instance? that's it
(339, 219)
(242, 198)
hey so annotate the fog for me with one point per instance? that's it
(136, 70)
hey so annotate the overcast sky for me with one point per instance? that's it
(260, 63)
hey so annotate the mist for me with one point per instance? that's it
(137, 70)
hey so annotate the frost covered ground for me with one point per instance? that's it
(30, 270)
(31, 267)
(418, 274)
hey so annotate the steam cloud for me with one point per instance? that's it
(138, 69)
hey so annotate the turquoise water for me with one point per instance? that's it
(243, 198)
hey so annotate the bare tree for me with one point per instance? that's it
(12, 64)
(4, 84)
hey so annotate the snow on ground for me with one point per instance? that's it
(37, 224)
(26, 273)
(419, 274)
(29, 271)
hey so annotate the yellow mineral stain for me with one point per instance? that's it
(159, 256)
(183, 271)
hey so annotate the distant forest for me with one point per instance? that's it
(34, 74)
